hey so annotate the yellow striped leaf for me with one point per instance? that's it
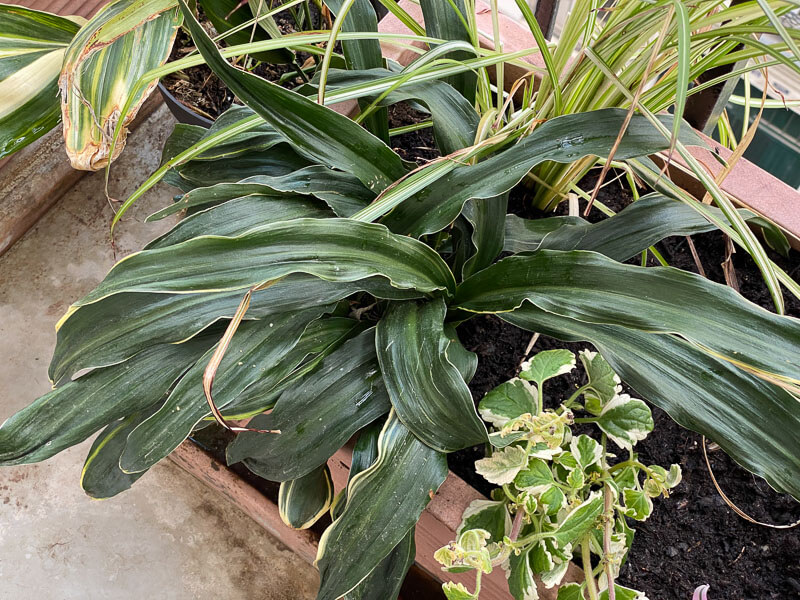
(111, 52)
(32, 47)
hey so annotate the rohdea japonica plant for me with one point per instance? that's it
(315, 285)
(564, 494)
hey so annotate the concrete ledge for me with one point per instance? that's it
(36, 177)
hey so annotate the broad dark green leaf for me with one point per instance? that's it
(563, 139)
(302, 501)
(590, 287)
(241, 215)
(321, 338)
(623, 236)
(465, 361)
(315, 131)
(317, 416)
(101, 477)
(332, 249)
(342, 192)
(447, 20)
(278, 161)
(259, 137)
(385, 580)
(32, 48)
(72, 412)
(427, 390)
(383, 505)
(454, 119)
(489, 224)
(134, 321)
(753, 421)
(254, 354)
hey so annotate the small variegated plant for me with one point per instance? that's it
(563, 494)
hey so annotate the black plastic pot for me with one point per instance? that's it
(180, 111)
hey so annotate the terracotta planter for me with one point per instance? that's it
(436, 527)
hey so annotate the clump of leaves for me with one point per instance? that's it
(563, 494)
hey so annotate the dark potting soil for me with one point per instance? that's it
(201, 90)
(416, 146)
(692, 537)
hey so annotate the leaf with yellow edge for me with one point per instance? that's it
(32, 47)
(102, 65)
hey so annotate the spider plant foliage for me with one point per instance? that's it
(324, 277)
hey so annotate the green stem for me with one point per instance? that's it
(540, 398)
(586, 558)
(574, 396)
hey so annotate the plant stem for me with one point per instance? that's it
(607, 526)
(517, 525)
(586, 557)
(574, 396)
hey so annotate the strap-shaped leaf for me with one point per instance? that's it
(101, 477)
(241, 215)
(448, 21)
(383, 505)
(489, 224)
(315, 131)
(363, 54)
(32, 48)
(278, 161)
(106, 58)
(593, 288)
(454, 119)
(563, 139)
(321, 338)
(302, 501)
(623, 236)
(754, 421)
(427, 391)
(317, 416)
(385, 580)
(255, 353)
(259, 137)
(135, 321)
(342, 192)
(332, 249)
(71, 413)
(227, 14)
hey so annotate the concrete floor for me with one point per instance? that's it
(170, 537)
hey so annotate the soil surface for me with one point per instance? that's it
(201, 90)
(416, 146)
(692, 537)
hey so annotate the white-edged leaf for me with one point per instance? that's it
(457, 591)
(503, 465)
(507, 401)
(547, 364)
(604, 382)
(626, 420)
(580, 519)
(585, 450)
(520, 576)
(638, 504)
(536, 478)
(488, 515)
